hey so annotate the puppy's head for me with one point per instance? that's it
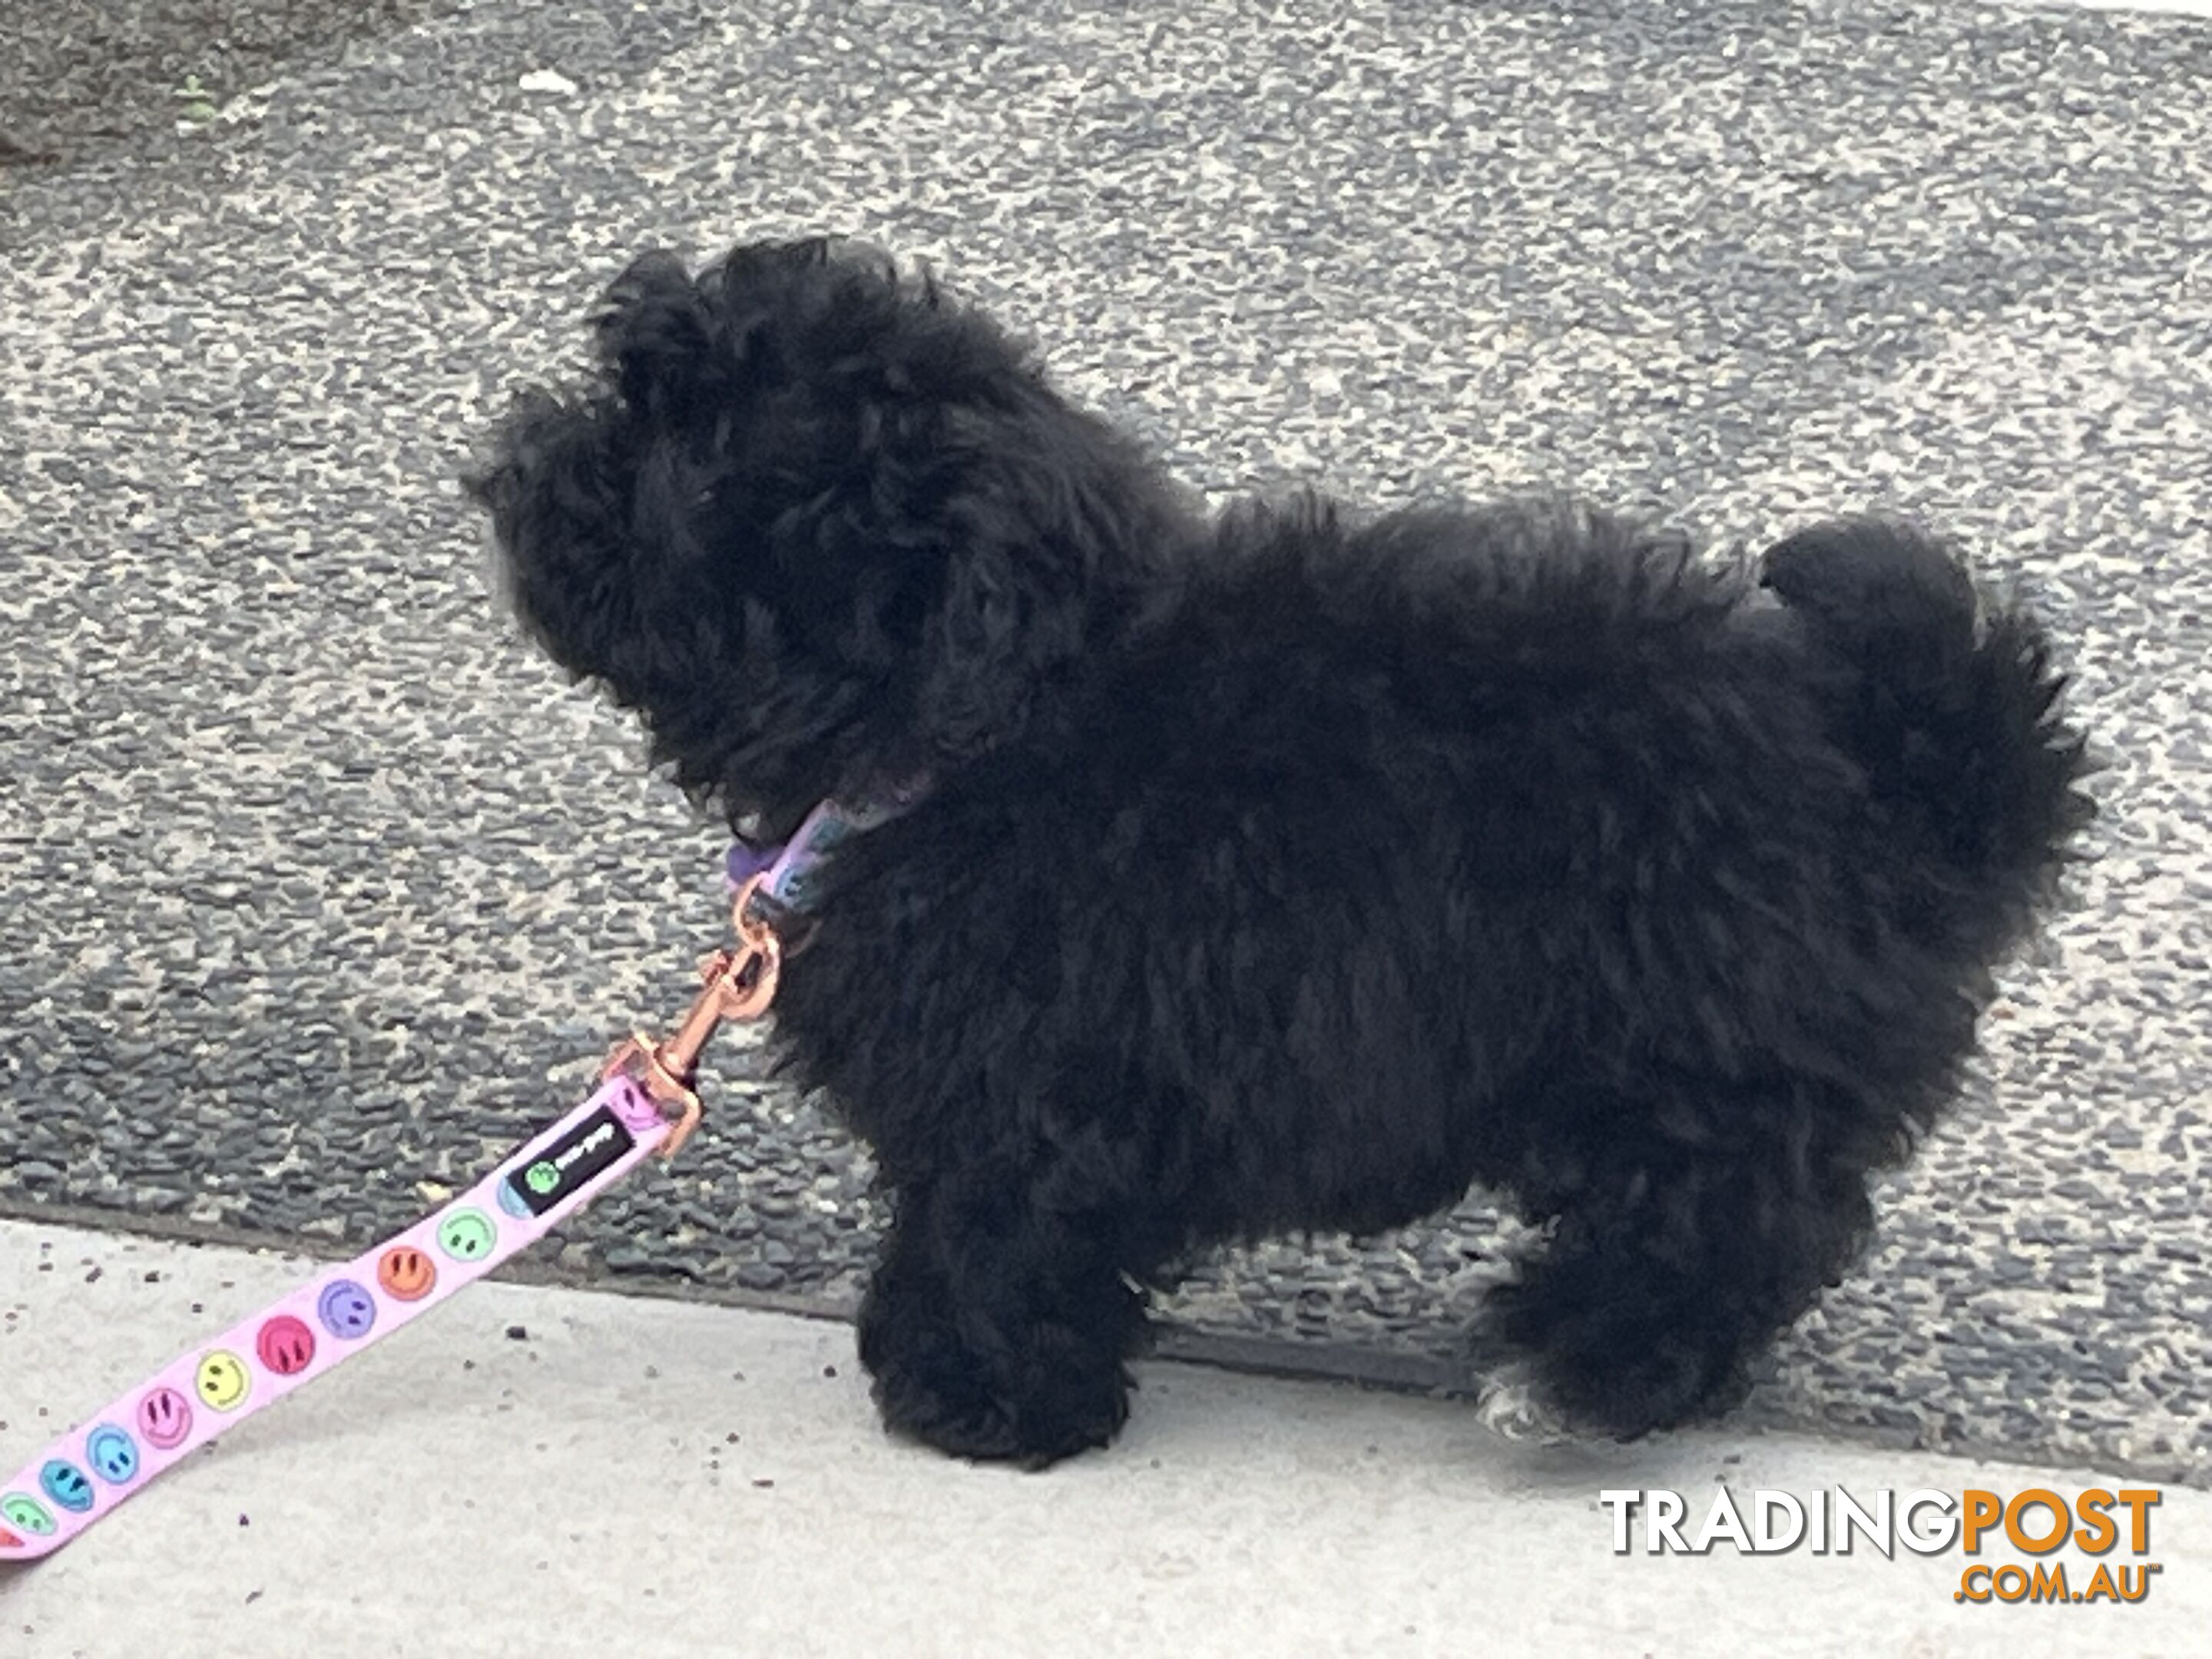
(816, 523)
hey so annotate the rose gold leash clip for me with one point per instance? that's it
(740, 984)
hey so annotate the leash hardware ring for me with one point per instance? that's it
(739, 985)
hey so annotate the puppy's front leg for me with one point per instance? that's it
(998, 1322)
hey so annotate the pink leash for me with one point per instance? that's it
(343, 1311)
(254, 1364)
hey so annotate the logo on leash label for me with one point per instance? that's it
(557, 1172)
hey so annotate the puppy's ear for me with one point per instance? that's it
(983, 671)
(655, 336)
(682, 349)
(1058, 525)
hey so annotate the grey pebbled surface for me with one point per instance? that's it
(80, 76)
(316, 888)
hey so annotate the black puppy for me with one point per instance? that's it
(1283, 872)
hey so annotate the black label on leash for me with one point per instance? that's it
(557, 1171)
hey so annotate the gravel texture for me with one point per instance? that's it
(317, 888)
(80, 77)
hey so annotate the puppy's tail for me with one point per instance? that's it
(1951, 702)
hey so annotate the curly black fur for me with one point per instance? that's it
(1283, 872)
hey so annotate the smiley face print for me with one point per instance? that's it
(165, 1417)
(405, 1273)
(113, 1454)
(221, 1381)
(285, 1345)
(67, 1484)
(27, 1513)
(635, 1107)
(467, 1235)
(346, 1309)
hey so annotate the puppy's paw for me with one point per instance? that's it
(1031, 1393)
(956, 1412)
(1514, 1408)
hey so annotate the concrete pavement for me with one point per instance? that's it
(651, 1478)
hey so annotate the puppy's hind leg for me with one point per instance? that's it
(1673, 1264)
(998, 1322)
